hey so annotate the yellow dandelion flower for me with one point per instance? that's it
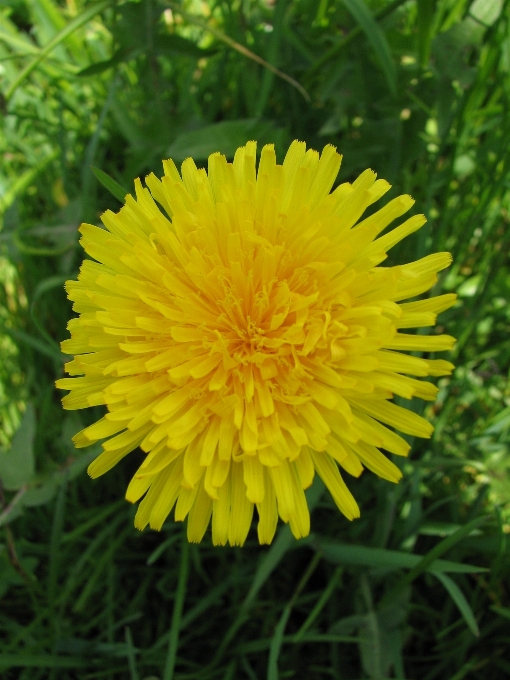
(244, 336)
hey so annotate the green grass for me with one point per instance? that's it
(96, 95)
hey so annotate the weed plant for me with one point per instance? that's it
(96, 94)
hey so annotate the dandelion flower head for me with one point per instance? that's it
(239, 328)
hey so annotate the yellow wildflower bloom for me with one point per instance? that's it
(247, 338)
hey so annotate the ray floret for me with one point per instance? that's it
(239, 328)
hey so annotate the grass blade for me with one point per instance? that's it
(426, 14)
(272, 559)
(239, 48)
(72, 26)
(460, 600)
(277, 639)
(425, 563)
(41, 661)
(40, 346)
(133, 673)
(276, 643)
(173, 641)
(22, 183)
(109, 183)
(340, 553)
(272, 55)
(343, 42)
(376, 38)
(319, 606)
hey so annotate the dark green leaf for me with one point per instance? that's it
(381, 558)
(458, 597)
(17, 466)
(176, 45)
(224, 137)
(119, 57)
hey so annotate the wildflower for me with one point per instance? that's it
(248, 338)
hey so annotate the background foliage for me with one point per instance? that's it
(419, 91)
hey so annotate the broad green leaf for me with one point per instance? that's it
(41, 491)
(44, 490)
(486, 11)
(109, 183)
(376, 38)
(380, 632)
(17, 466)
(224, 137)
(382, 558)
(40, 495)
(458, 597)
